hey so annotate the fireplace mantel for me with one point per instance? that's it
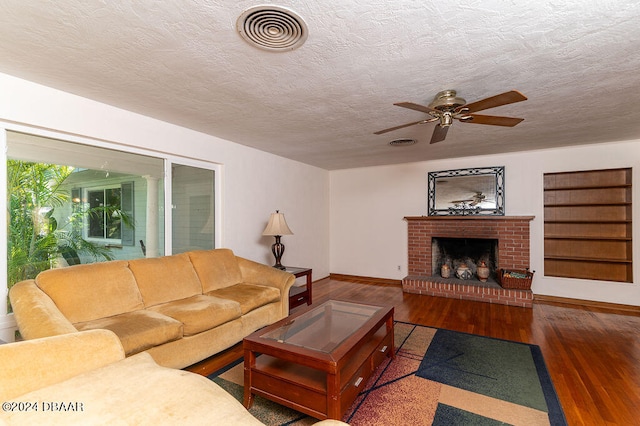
(511, 232)
(488, 218)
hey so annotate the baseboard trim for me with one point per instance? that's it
(366, 280)
(589, 303)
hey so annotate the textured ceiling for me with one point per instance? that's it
(184, 62)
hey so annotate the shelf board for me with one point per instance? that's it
(589, 204)
(573, 188)
(585, 238)
(587, 259)
(588, 221)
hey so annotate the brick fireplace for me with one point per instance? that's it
(512, 235)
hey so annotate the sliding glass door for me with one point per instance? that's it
(193, 211)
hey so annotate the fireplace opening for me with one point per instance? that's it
(469, 252)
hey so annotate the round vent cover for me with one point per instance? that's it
(272, 28)
(402, 142)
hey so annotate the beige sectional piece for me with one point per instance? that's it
(180, 309)
(84, 379)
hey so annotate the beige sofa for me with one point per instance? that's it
(180, 309)
(84, 379)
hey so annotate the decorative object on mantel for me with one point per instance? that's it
(277, 227)
(515, 278)
(445, 271)
(464, 192)
(482, 271)
(463, 272)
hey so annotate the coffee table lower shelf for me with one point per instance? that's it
(317, 393)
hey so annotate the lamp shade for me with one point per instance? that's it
(277, 225)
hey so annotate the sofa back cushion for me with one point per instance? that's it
(87, 292)
(216, 268)
(164, 279)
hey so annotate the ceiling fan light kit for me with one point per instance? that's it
(447, 106)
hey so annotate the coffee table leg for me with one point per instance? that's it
(392, 333)
(309, 289)
(333, 396)
(249, 364)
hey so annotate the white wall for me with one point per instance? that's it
(369, 235)
(254, 183)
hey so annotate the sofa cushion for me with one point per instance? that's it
(250, 296)
(164, 279)
(199, 313)
(96, 290)
(216, 268)
(138, 330)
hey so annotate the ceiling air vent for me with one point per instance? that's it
(402, 142)
(272, 28)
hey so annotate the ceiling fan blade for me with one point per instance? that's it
(416, 107)
(439, 133)
(493, 120)
(494, 101)
(379, 132)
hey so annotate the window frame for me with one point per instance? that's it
(87, 225)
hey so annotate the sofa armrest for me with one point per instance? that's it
(34, 364)
(35, 313)
(258, 273)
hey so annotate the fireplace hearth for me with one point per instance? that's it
(501, 242)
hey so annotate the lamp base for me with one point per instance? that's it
(278, 250)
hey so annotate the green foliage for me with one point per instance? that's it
(35, 238)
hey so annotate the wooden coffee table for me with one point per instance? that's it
(318, 360)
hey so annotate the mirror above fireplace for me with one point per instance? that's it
(465, 192)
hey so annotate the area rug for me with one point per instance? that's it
(438, 377)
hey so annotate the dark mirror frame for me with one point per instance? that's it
(469, 206)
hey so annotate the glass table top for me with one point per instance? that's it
(325, 327)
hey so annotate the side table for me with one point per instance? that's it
(300, 294)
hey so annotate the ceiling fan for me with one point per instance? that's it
(446, 107)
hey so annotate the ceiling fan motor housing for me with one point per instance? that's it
(446, 101)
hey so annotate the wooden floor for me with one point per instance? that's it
(593, 354)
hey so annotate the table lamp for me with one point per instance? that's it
(277, 227)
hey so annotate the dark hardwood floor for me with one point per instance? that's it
(592, 353)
